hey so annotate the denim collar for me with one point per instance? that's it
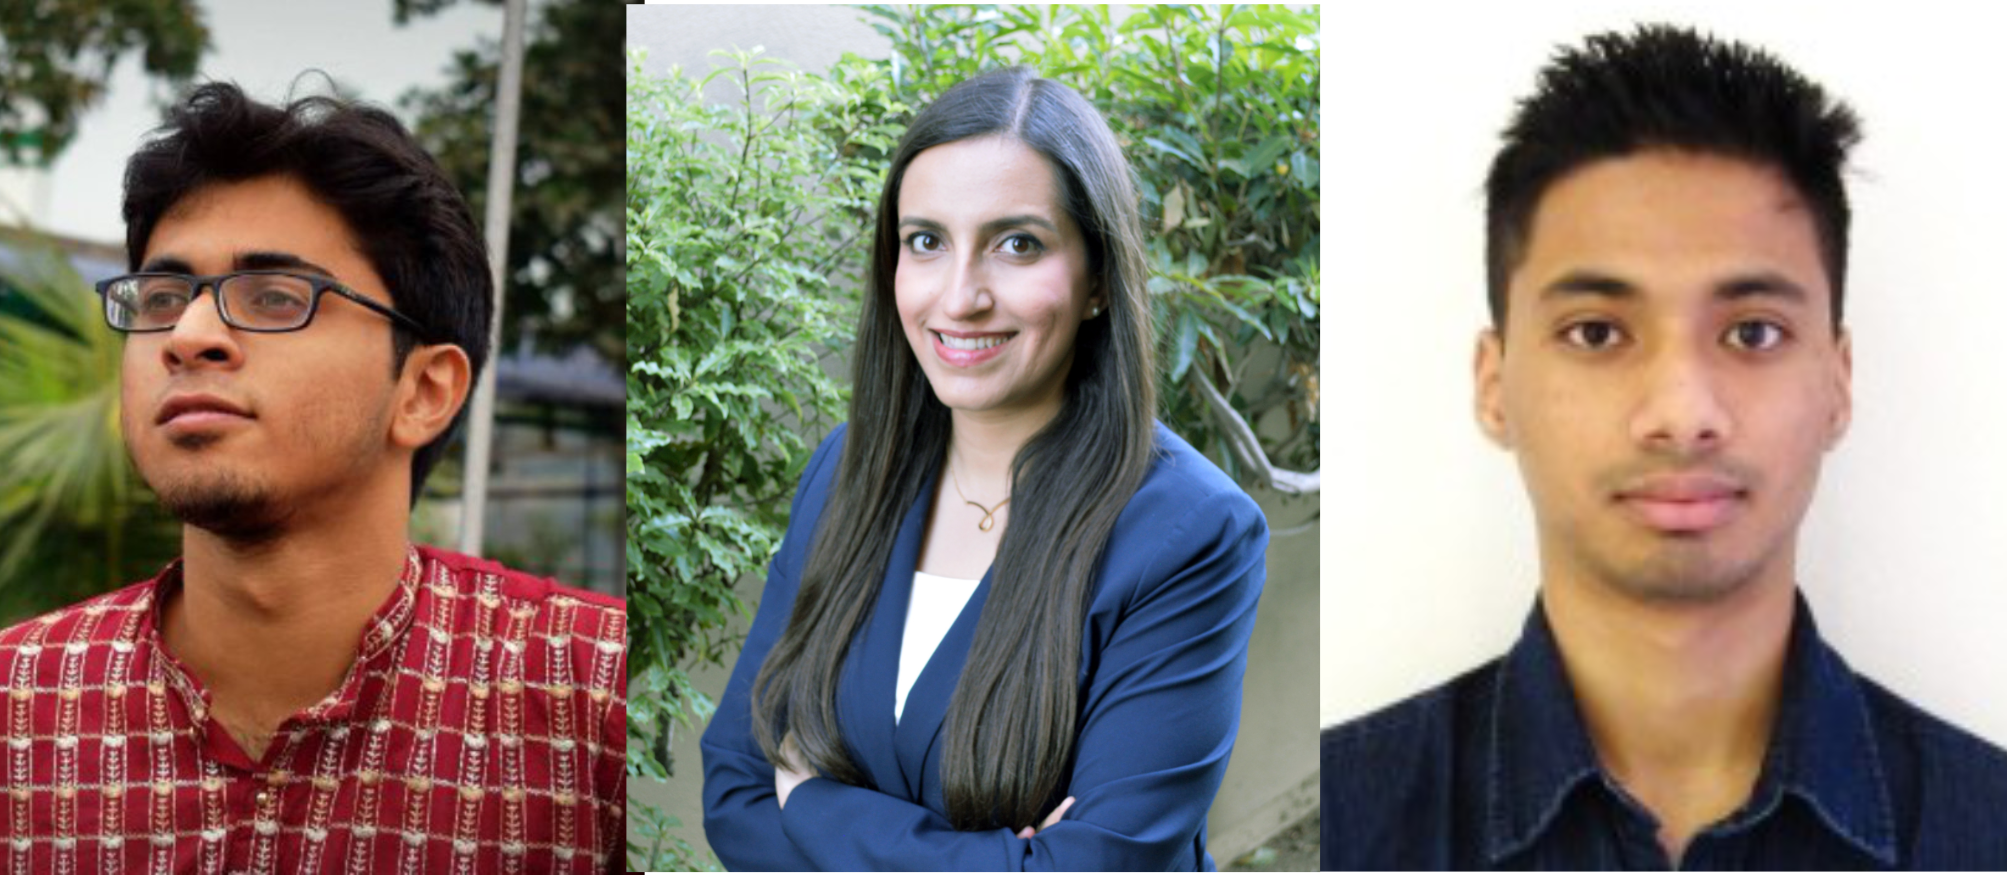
(1822, 750)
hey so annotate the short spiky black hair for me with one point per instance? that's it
(1662, 86)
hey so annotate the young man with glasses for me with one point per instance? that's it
(304, 689)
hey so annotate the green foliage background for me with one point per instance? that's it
(745, 246)
(75, 519)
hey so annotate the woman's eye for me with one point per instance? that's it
(1022, 244)
(1593, 334)
(1755, 335)
(922, 241)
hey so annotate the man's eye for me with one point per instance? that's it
(1593, 334)
(162, 302)
(1022, 244)
(922, 241)
(1755, 335)
(276, 300)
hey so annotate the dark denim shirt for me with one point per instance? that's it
(1495, 770)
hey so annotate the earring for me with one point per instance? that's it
(1094, 312)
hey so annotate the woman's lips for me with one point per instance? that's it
(968, 358)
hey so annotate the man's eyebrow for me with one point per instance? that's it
(1588, 283)
(267, 260)
(1759, 284)
(1763, 284)
(987, 228)
(258, 260)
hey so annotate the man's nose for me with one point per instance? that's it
(201, 336)
(1683, 410)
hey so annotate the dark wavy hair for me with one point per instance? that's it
(413, 225)
(1668, 87)
(1011, 724)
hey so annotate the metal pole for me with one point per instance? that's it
(501, 188)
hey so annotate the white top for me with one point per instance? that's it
(936, 602)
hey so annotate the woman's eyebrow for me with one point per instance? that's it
(987, 228)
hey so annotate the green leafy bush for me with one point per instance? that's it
(741, 275)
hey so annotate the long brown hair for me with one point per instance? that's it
(1011, 723)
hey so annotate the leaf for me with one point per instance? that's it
(1245, 317)
(1305, 167)
(1167, 148)
(1174, 209)
(1188, 341)
(1268, 150)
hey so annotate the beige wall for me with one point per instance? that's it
(1272, 779)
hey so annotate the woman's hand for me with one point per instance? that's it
(790, 773)
(1050, 819)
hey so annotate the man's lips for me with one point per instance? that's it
(1684, 503)
(193, 410)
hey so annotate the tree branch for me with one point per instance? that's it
(1247, 449)
(1309, 525)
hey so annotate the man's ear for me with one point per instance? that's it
(1488, 368)
(1843, 388)
(430, 391)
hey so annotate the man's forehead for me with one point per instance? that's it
(1670, 223)
(263, 219)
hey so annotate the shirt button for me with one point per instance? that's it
(264, 798)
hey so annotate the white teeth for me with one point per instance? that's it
(969, 343)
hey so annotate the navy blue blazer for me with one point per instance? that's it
(1162, 658)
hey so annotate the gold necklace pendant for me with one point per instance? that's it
(989, 520)
(989, 514)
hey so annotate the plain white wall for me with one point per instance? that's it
(1430, 565)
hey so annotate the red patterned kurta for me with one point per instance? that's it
(482, 728)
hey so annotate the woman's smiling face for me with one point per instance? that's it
(992, 282)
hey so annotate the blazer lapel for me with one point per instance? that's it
(871, 669)
(919, 728)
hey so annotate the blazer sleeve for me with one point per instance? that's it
(1159, 719)
(741, 815)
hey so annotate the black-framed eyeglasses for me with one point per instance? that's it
(269, 301)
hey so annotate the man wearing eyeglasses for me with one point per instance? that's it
(304, 689)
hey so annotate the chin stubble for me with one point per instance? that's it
(226, 505)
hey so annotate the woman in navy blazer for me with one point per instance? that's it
(1080, 708)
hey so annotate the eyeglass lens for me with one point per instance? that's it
(252, 301)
